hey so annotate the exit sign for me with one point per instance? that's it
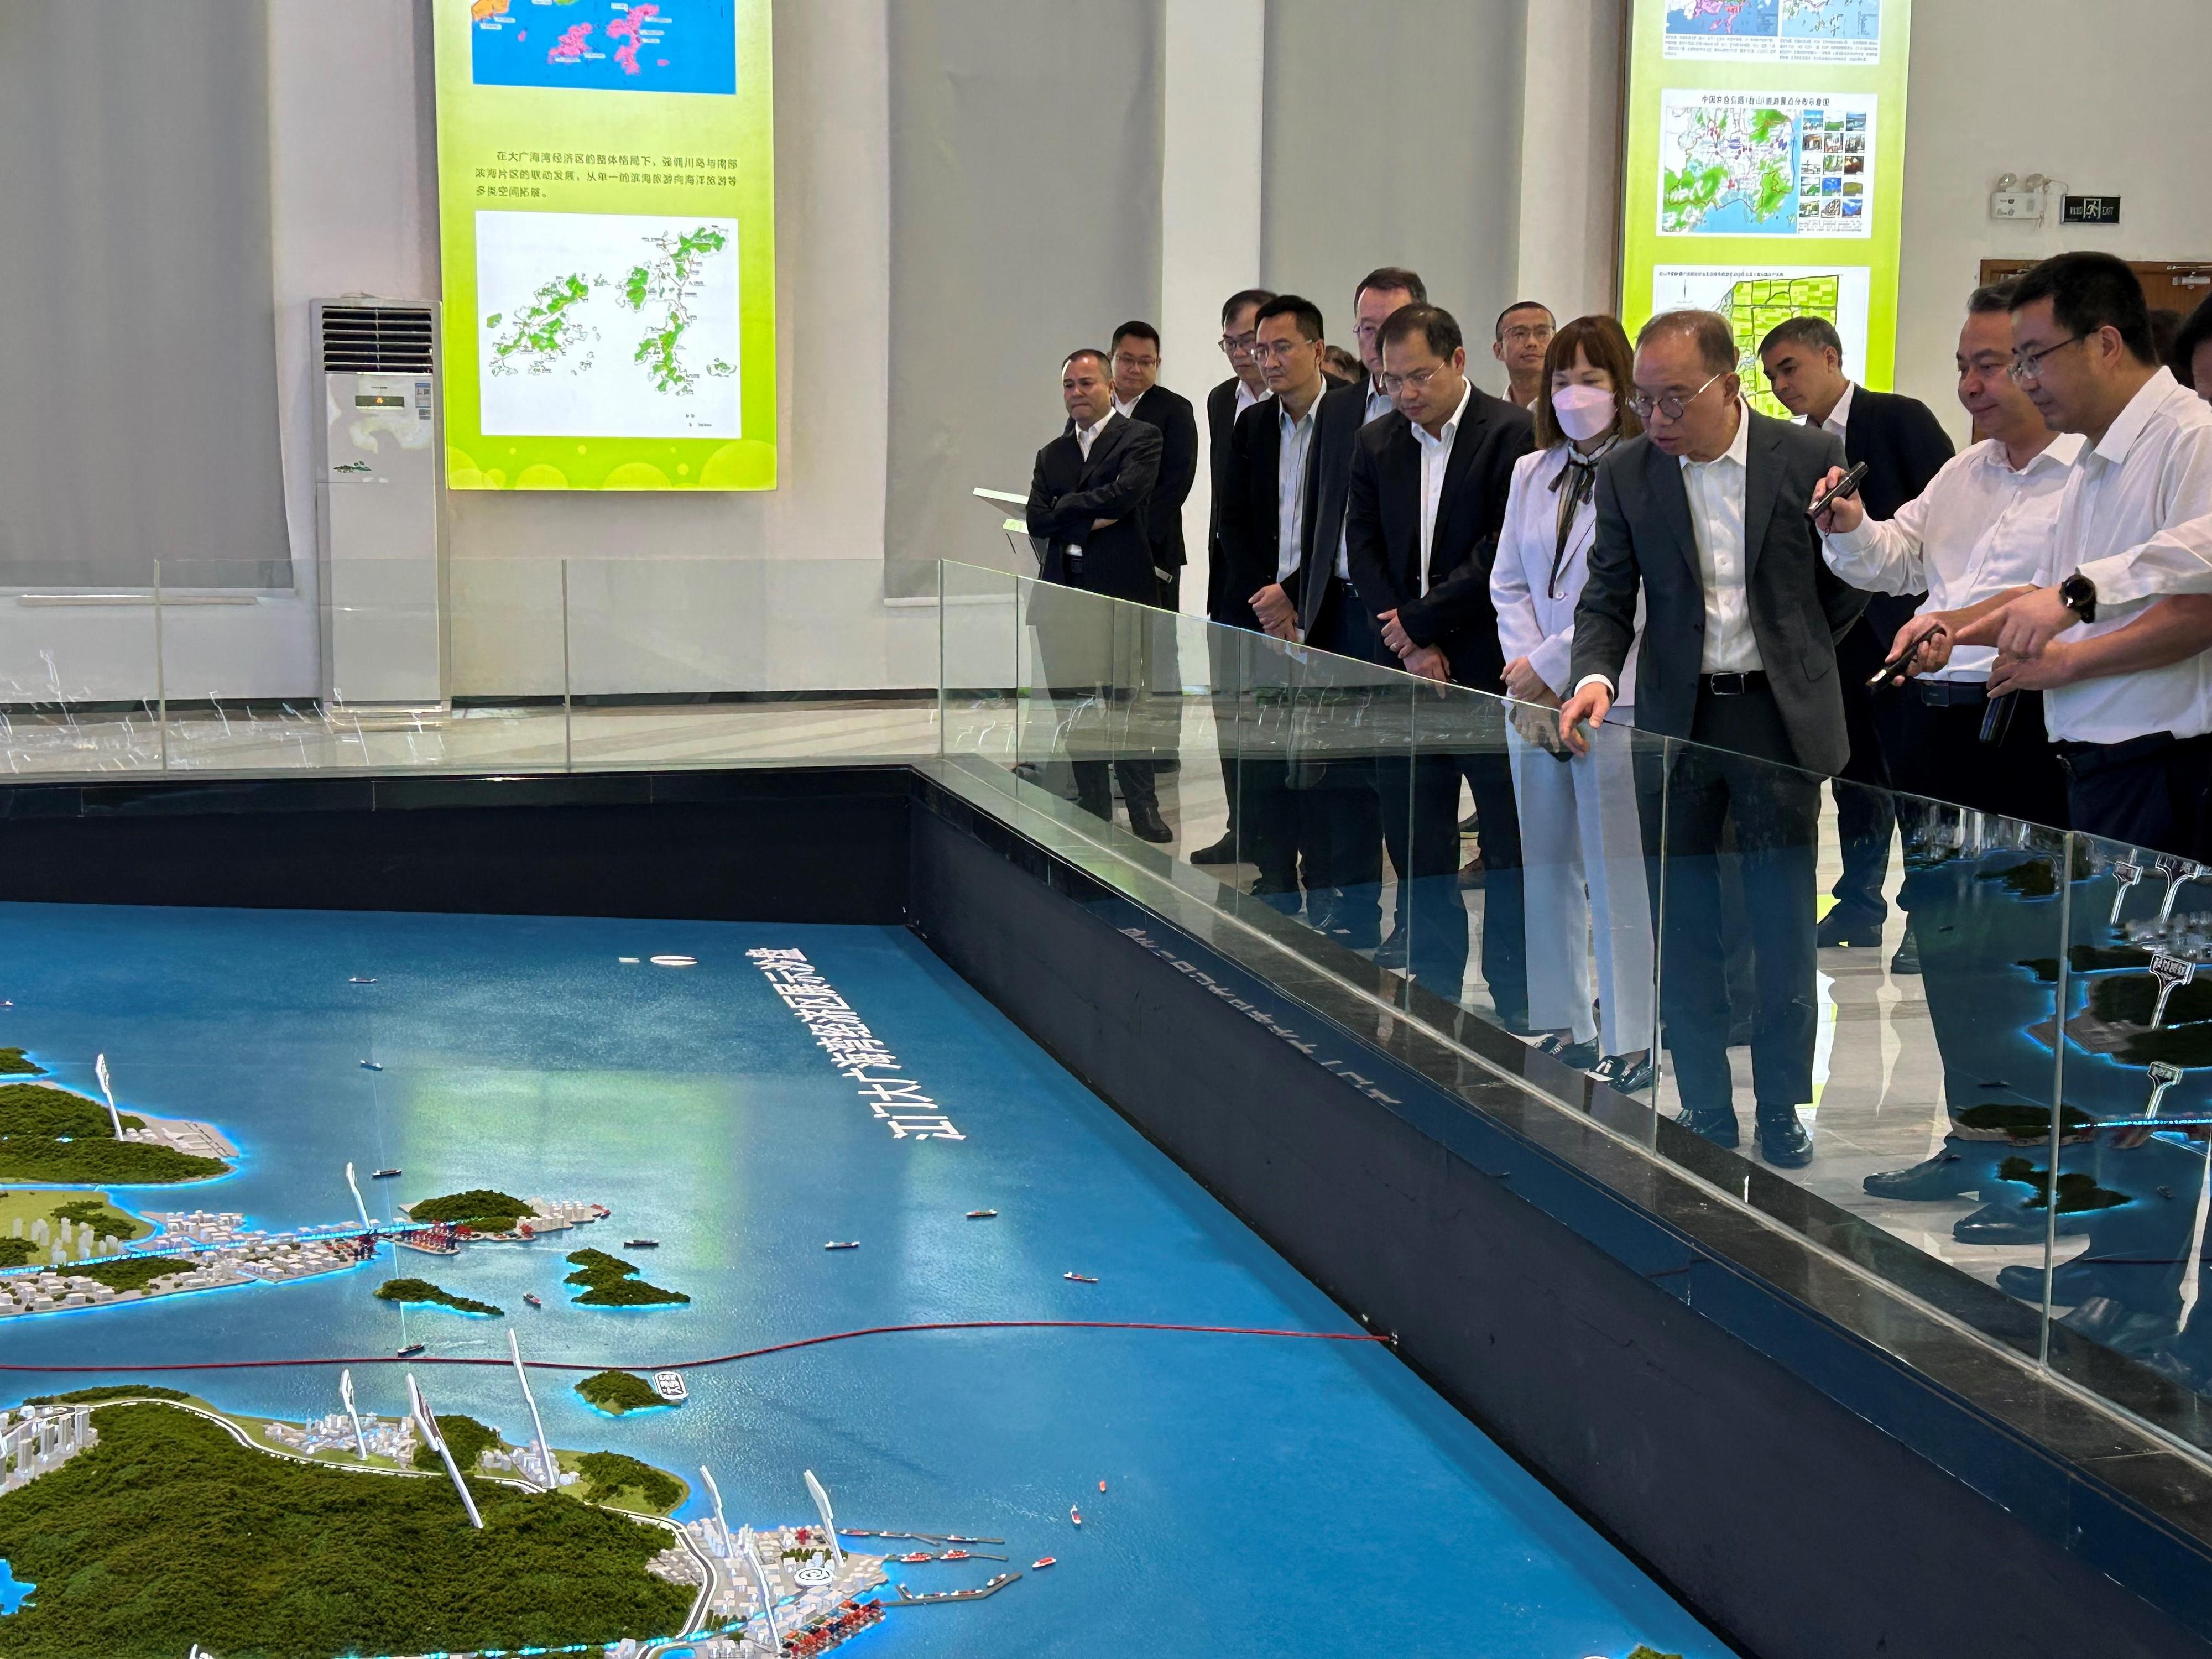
(2091, 210)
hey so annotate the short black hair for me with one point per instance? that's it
(2186, 345)
(1388, 277)
(1995, 297)
(1135, 331)
(1498, 329)
(2165, 330)
(1105, 363)
(2089, 291)
(1710, 330)
(1292, 305)
(1817, 333)
(1433, 323)
(1243, 297)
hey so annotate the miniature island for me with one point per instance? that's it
(49, 1134)
(610, 1282)
(422, 1292)
(484, 1212)
(172, 1524)
(13, 1062)
(617, 1393)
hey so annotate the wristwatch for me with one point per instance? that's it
(2079, 594)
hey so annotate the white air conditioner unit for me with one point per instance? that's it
(379, 503)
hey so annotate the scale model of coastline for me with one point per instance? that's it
(205, 1251)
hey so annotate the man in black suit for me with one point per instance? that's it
(1703, 516)
(1087, 503)
(1425, 500)
(1904, 446)
(1245, 386)
(1276, 546)
(1138, 394)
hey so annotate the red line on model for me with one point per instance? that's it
(720, 1358)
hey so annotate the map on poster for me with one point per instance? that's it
(604, 46)
(1775, 31)
(1766, 164)
(1755, 298)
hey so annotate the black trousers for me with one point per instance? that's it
(2150, 791)
(1092, 658)
(1865, 811)
(1505, 906)
(1942, 757)
(1420, 826)
(1691, 801)
(1339, 814)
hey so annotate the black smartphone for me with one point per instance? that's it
(1847, 485)
(1882, 675)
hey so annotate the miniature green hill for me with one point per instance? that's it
(413, 1290)
(465, 1437)
(612, 1478)
(610, 1282)
(13, 1062)
(617, 1392)
(52, 1135)
(482, 1208)
(169, 1532)
(132, 1273)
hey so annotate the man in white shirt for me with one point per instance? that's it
(1523, 333)
(2128, 687)
(1381, 291)
(1983, 527)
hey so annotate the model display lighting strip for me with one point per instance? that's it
(1763, 170)
(791, 1347)
(852, 1048)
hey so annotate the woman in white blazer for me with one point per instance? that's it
(1582, 844)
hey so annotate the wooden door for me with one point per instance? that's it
(2174, 284)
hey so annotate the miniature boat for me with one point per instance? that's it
(530, 1296)
(640, 1243)
(954, 1555)
(1042, 1562)
(981, 1215)
(1075, 1515)
(409, 1350)
(915, 1555)
(1102, 1486)
(1080, 1279)
(370, 1066)
(359, 980)
(846, 1245)
(383, 1175)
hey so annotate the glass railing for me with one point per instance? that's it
(2014, 1130)
(513, 664)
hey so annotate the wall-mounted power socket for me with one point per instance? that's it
(2015, 204)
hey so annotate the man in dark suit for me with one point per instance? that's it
(1275, 548)
(1087, 500)
(1904, 446)
(1245, 386)
(1138, 394)
(1703, 516)
(1426, 499)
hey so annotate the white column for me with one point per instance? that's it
(1214, 92)
(1572, 66)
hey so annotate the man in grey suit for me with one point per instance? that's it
(1703, 516)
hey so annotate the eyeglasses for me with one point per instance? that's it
(1418, 380)
(1233, 344)
(2028, 365)
(1533, 334)
(1279, 351)
(1129, 359)
(1667, 404)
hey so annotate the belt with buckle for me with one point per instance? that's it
(1951, 694)
(1733, 685)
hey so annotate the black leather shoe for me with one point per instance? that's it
(2006, 1222)
(1222, 851)
(1392, 953)
(1784, 1143)
(1905, 961)
(1149, 825)
(2071, 1282)
(1947, 1175)
(1716, 1124)
(2120, 1327)
(1840, 930)
(1631, 1077)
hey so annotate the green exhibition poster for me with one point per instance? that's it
(1763, 169)
(607, 226)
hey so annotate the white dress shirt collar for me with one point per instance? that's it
(2120, 437)
(1435, 457)
(1839, 417)
(1087, 435)
(1739, 450)
(1128, 409)
(1246, 397)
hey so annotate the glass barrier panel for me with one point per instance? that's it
(80, 672)
(979, 680)
(2134, 1182)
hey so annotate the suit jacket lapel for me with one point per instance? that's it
(1663, 477)
(1402, 455)
(1109, 439)
(1762, 486)
(1465, 442)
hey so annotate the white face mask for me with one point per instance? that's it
(1584, 412)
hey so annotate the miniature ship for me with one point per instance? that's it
(640, 1243)
(370, 1066)
(1042, 1562)
(981, 1215)
(409, 1350)
(383, 1175)
(1075, 1515)
(1080, 1279)
(530, 1296)
(844, 1245)
(359, 980)
(907, 1597)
